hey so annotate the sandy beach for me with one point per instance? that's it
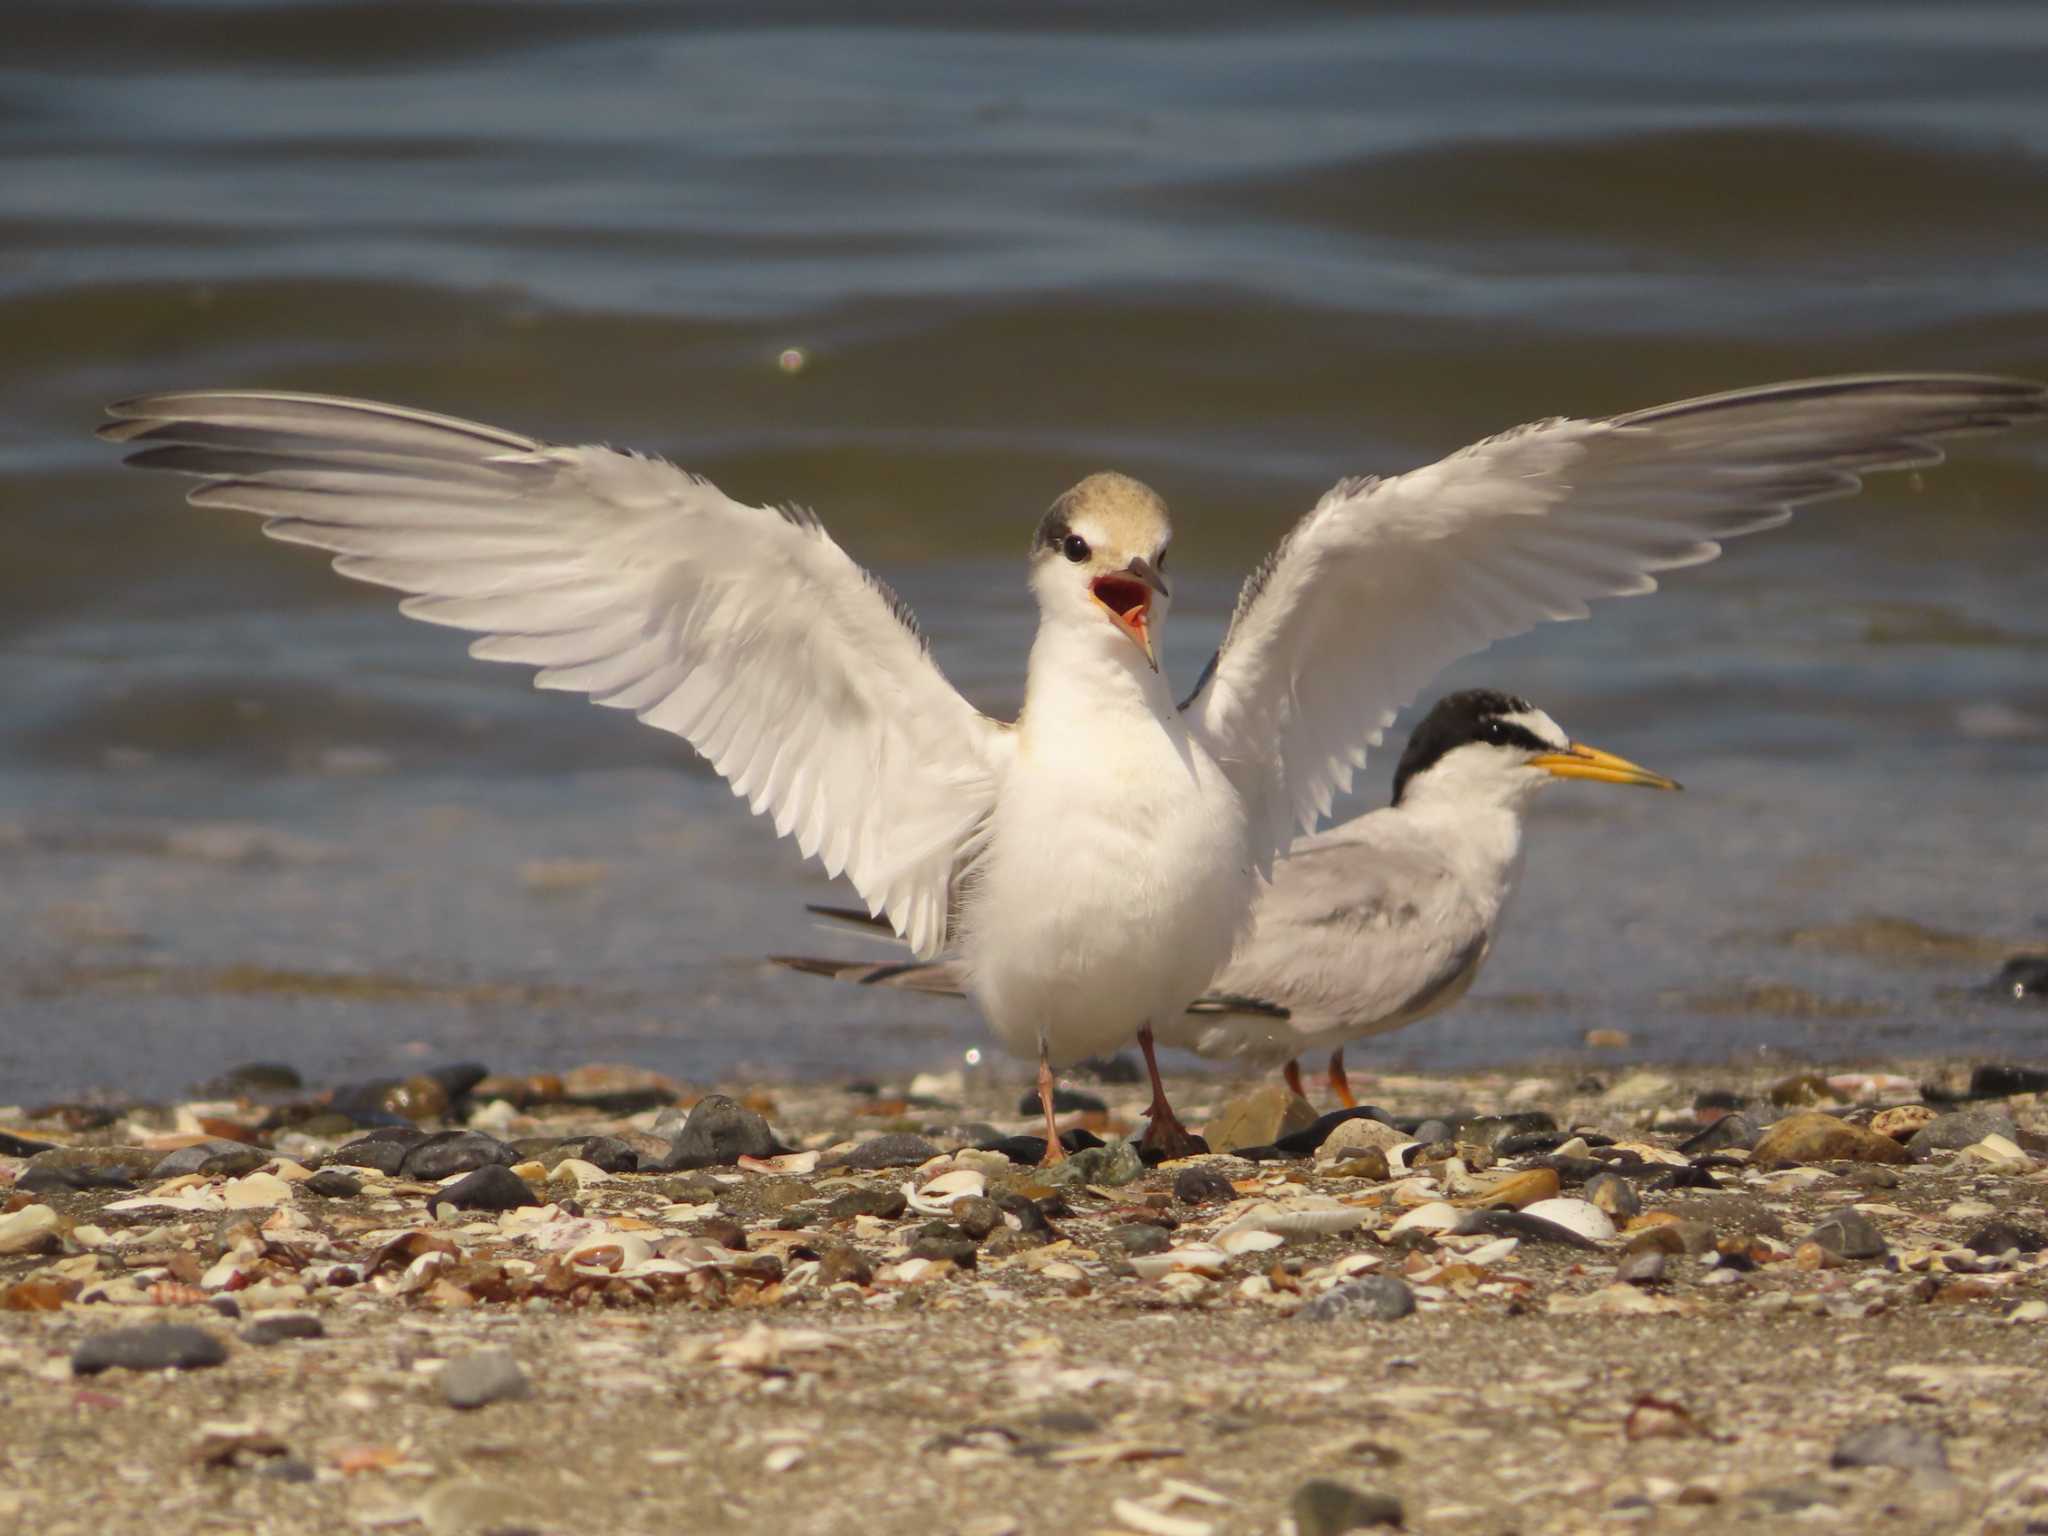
(1520, 1306)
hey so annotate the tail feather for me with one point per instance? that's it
(935, 978)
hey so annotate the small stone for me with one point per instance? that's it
(1642, 1268)
(333, 1184)
(1803, 1089)
(977, 1216)
(229, 1158)
(153, 1347)
(1363, 1134)
(866, 1200)
(1614, 1195)
(54, 1180)
(1370, 1164)
(276, 1327)
(1735, 1131)
(1489, 1131)
(1817, 1138)
(607, 1154)
(1324, 1508)
(1382, 1298)
(1953, 1132)
(252, 1079)
(1891, 1445)
(1996, 1079)
(943, 1240)
(383, 1150)
(476, 1509)
(481, 1377)
(899, 1149)
(1850, 1234)
(719, 1133)
(29, 1230)
(454, 1152)
(839, 1263)
(1107, 1167)
(2005, 1237)
(492, 1188)
(1202, 1185)
(1141, 1237)
(1902, 1121)
(1259, 1118)
(1683, 1236)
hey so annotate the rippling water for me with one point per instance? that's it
(244, 811)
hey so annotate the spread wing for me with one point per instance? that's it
(745, 630)
(1388, 581)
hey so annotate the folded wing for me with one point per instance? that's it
(1386, 582)
(745, 630)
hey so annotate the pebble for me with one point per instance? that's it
(1382, 1298)
(977, 1216)
(1902, 1121)
(1489, 1131)
(866, 1200)
(1849, 1233)
(1324, 1508)
(1995, 1080)
(54, 1180)
(473, 1508)
(333, 1184)
(900, 1149)
(1953, 1132)
(153, 1347)
(231, 1158)
(453, 1152)
(1614, 1195)
(276, 1327)
(1818, 1138)
(1684, 1236)
(1107, 1167)
(1259, 1118)
(841, 1263)
(719, 1133)
(1642, 1268)
(1732, 1132)
(1141, 1237)
(382, 1150)
(484, 1376)
(29, 1230)
(1891, 1445)
(1998, 1237)
(1202, 1185)
(491, 1188)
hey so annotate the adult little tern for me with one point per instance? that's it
(1095, 861)
(1366, 927)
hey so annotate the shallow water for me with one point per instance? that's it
(244, 811)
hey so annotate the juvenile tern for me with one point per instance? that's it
(1093, 863)
(1368, 926)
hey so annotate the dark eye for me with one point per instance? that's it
(1075, 548)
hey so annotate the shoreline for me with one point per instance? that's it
(951, 1342)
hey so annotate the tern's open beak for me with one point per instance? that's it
(1579, 761)
(1126, 596)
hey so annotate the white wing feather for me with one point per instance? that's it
(1386, 582)
(745, 630)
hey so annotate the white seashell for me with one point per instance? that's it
(937, 1196)
(985, 1162)
(1998, 1151)
(1249, 1241)
(615, 1251)
(787, 1162)
(1493, 1252)
(584, 1173)
(1437, 1216)
(1062, 1271)
(1156, 1522)
(782, 1458)
(1312, 1217)
(1195, 1256)
(1580, 1216)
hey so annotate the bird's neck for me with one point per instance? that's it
(1480, 834)
(1091, 674)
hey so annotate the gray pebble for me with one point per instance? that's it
(1965, 1128)
(866, 1200)
(1648, 1268)
(1891, 1445)
(276, 1327)
(155, 1347)
(487, 1376)
(1201, 1185)
(899, 1149)
(229, 1158)
(1141, 1237)
(1323, 1508)
(454, 1152)
(1614, 1195)
(493, 1188)
(1379, 1297)
(719, 1133)
(1849, 1233)
(333, 1184)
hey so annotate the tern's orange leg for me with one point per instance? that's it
(1054, 1152)
(1340, 1084)
(1163, 1131)
(1292, 1074)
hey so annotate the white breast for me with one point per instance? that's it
(1118, 876)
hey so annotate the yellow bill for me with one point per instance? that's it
(1579, 761)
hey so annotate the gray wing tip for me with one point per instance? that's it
(2006, 399)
